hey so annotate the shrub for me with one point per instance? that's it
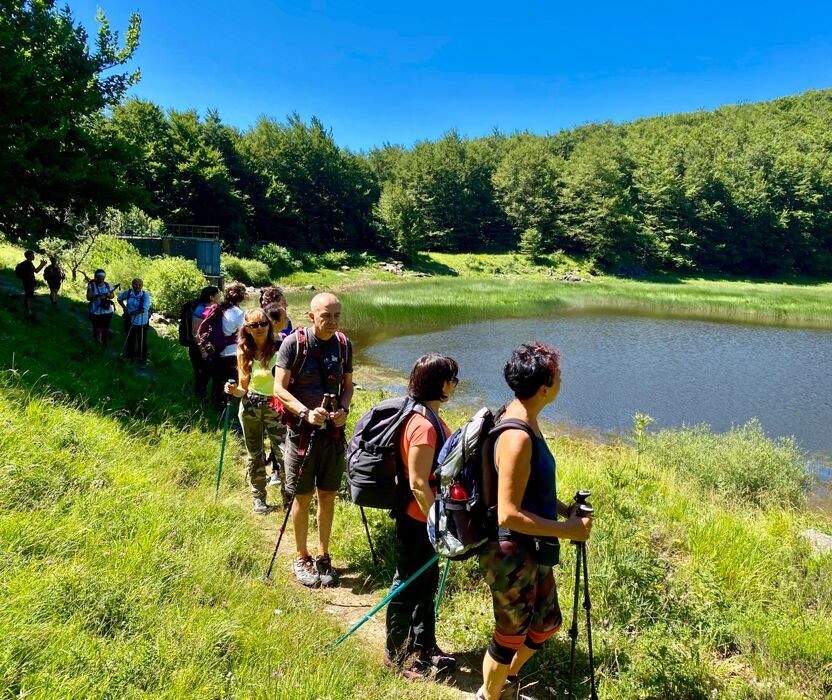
(531, 244)
(743, 463)
(120, 259)
(250, 272)
(133, 222)
(171, 282)
(334, 259)
(108, 249)
(279, 259)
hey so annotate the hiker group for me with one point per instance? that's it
(488, 490)
(101, 295)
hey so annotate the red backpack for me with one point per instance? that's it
(290, 419)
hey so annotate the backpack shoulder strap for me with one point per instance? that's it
(300, 355)
(423, 410)
(342, 347)
(514, 424)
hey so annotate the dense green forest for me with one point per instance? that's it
(743, 189)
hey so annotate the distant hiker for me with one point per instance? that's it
(314, 361)
(135, 304)
(518, 565)
(275, 295)
(256, 358)
(26, 272)
(100, 296)
(54, 276)
(229, 320)
(193, 314)
(411, 624)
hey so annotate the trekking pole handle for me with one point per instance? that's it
(583, 508)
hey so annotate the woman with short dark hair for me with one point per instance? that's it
(518, 566)
(411, 624)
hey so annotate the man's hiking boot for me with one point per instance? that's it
(413, 669)
(260, 507)
(275, 480)
(306, 572)
(328, 575)
(440, 660)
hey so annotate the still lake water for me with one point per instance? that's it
(678, 372)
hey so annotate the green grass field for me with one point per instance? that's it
(120, 576)
(466, 287)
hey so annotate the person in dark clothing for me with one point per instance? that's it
(411, 624)
(208, 297)
(517, 565)
(54, 276)
(26, 272)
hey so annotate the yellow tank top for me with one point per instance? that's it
(262, 379)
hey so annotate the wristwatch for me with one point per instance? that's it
(302, 415)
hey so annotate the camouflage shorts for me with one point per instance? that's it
(523, 592)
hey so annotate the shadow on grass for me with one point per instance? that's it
(423, 263)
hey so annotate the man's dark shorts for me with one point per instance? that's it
(324, 468)
(28, 290)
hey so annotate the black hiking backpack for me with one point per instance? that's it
(374, 471)
(186, 334)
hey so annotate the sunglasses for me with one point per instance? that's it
(454, 381)
(259, 324)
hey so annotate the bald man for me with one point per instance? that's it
(314, 453)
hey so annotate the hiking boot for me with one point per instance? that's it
(305, 572)
(275, 480)
(414, 669)
(437, 658)
(260, 506)
(328, 575)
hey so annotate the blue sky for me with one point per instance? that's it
(399, 72)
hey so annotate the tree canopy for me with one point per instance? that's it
(743, 189)
(56, 153)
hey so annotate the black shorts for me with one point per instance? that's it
(28, 290)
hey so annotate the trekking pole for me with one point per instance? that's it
(442, 586)
(392, 594)
(573, 629)
(587, 606)
(584, 509)
(268, 577)
(233, 382)
(126, 340)
(369, 539)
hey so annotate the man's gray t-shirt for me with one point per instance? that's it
(322, 372)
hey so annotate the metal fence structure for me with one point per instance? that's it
(198, 243)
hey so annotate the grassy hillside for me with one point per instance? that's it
(122, 577)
